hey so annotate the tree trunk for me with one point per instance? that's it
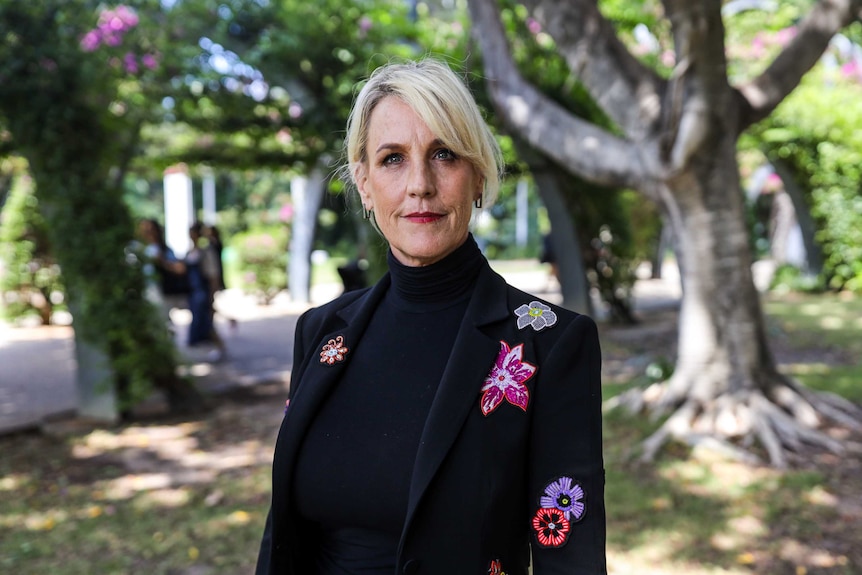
(664, 240)
(726, 384)
(678, 147)
(574, 285)
(813, 254)
(306, 194)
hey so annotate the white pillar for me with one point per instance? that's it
(179, 209)
(522, 213)
(209, 199)
(301, 238)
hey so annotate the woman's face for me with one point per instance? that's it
(420, 191)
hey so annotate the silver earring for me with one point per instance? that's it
(366, 213)
(478, 202)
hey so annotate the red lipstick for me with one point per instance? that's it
(423, 217)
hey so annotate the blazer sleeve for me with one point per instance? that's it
(565, 468)
(263, 556)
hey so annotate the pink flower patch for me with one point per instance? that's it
(333, 351)
(506, 380)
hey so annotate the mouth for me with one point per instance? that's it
(423, 217)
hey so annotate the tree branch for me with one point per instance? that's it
(593, 153)
(762, 94)
(612, 75)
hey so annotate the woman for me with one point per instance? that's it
(164, 273)
(441, 421)
(202, 272)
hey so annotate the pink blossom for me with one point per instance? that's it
(112, 39)
(121, 18)
(284, 136)
(285, 214)
(851, 68)
(783, 37)
(533, 26)
(668, 58)
(149, 61)
(294, 110)
(127, 15)
(130, 63)
(91, 41)
(365, 24)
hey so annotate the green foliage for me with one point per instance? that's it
(262, 255)
(274, 81)
(789, 278)
(31, 281)
(815, 132)
(754, 37)
(73, 109)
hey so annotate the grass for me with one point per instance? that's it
(189, 496)
(831, 323)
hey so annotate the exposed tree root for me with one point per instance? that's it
(783, 418)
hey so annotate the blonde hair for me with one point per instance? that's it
(441, 99)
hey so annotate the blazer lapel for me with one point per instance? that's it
(317, 380)
(472, 356)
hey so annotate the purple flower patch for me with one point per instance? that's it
(566, 495)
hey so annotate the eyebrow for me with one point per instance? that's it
(394, 146)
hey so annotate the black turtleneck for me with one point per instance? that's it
(353, 471)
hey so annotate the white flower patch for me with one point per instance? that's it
(536, 314)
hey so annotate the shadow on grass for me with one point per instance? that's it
(161, 496)
(188, 496)
(693, 512)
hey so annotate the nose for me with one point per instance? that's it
(420, 181)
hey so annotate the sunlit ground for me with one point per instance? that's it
(189, 496)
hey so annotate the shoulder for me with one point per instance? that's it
(536, 312)
(322, 315)
(546, 325)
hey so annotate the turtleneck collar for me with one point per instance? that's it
(446, 281)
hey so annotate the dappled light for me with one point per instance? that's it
(620, 124)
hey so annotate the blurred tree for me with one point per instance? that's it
(675, 141)
(73, 96)
(296, 64)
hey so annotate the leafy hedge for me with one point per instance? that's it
(816, 133)
(31, 278)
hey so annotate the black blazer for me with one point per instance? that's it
(495, 481)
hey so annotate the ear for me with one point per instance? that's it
(360, 177)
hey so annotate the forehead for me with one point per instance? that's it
(394, 118)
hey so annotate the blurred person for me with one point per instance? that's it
(165, 274)
(203, 277)
(549, 256)
(441, 421)
(213, 236)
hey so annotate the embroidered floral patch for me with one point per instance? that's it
(496, 568)
(566, 495)
(333, 351)
(551, 527)
(536, 314)
(561, 504)
(506, 380)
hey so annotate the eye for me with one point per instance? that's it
(445, 154)
(390, 159)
